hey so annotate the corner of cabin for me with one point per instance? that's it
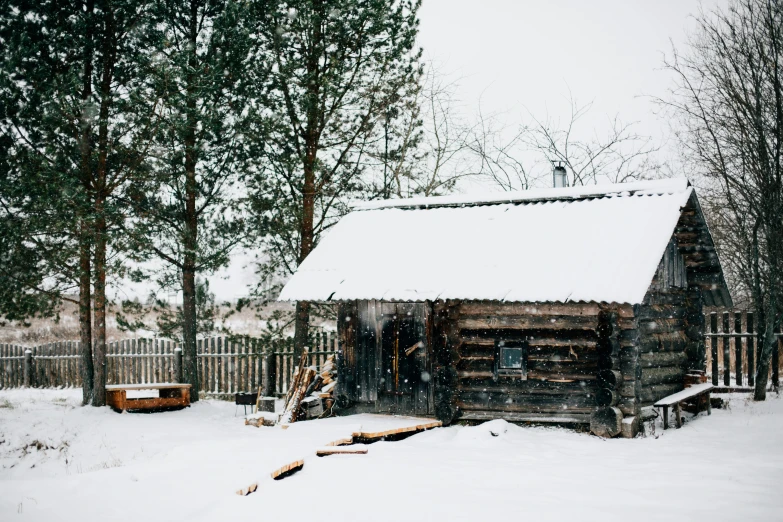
(671, 317)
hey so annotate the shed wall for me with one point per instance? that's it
(564, 358)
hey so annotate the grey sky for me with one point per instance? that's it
(521, 54)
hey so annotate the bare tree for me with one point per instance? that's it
(729, 98)
(524, 160)
(426, 141)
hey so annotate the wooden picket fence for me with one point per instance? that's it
(225, 365)
(731, 338)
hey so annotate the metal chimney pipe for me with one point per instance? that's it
(559, 176)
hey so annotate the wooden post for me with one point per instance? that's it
(268, 374)
(666, 417)
(177, 364)
(751, 356)
(726, 351)
(220, 365)
(714, 347)
(28, 369)
(678, 415)
(738, 348)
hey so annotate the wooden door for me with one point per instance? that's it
(404, 374)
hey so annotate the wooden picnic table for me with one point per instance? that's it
(170, 395)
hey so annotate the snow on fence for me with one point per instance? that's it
(225, 365)
(732, 346)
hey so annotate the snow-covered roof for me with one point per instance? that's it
(599, 243)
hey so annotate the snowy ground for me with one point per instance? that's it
(62, 462)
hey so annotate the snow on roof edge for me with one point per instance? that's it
(493, 301)
(324, 279)
(672, 185)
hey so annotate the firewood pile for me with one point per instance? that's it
(311, 394)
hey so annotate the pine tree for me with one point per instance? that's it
(330, 74)
(45, 125)
(78, 113)
(189, 212)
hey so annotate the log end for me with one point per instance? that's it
(630, 427)
(606, 397)
(606, 422)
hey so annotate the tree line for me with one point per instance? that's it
(138, 130)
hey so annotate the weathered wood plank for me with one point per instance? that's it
(540, 309)
(522, 322)
(662, 375)
(650, 394)
(658, 359)
(726, 351)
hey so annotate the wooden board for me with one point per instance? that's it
(341, 450)
(375, 435)
(288, 469)
(685, 394)
(526, 417)
(151, 386)
(341, 442)
(248, 490)
(176, 396)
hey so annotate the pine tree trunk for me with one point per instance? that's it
(302, 319)
(99, 384)
(190, 236)
(85, 314)
(85, 309)
(101, 229)
(189, 310)
(189, 353)
(307, 232)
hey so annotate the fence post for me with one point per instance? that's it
(178, 364)
(268, 374)
(28, 369)
(726, 351)
(714, 347)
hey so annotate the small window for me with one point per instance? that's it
(511, 359)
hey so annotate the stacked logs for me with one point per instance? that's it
(606, 419)
(308, 382)
(303, 376)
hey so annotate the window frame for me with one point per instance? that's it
(519, 373)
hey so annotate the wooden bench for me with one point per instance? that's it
(698, 392)
(170, 395)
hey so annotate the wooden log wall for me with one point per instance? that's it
(565, 357)
(445, 345)
(700, 257)
(664, 346)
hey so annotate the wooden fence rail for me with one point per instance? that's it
(225, 365)
(732, 349)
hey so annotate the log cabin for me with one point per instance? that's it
(576, 305)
